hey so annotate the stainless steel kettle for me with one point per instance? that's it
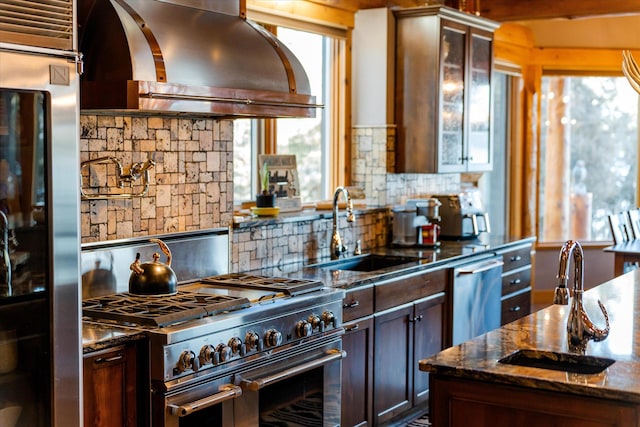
(154, 277)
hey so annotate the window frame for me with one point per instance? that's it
(336, 168)
(585, 72)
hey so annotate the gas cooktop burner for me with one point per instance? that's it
(286, 285)
(160, 311)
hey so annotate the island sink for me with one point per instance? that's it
(567, 362)
(365, 263)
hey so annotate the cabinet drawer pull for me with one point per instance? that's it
(515, 281)
(353, 303)
(352, 328)
(514, 309)
(416, 319)
(115, 358)
(515, 258)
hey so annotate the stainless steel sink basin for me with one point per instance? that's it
(365, 263)
(567, 362)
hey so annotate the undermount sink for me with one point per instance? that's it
(365, 263)
(566, 362)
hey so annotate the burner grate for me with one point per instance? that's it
(287, 285)
(160, 311)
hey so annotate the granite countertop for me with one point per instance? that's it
(427, 258)
(477, 359)
(97, 336)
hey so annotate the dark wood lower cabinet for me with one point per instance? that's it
(403, 336)
(357, 373)
(428, 341)
(463, 403)
(109, 381)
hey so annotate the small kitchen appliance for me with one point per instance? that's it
(405, 223)
(462, 215)
(429, 231)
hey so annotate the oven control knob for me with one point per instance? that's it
(252, 341)
(303, 329)
(316, 322)
(272, 338)
(223, 352)
(206, 354)
(328, 319)
(236, 346)
(187, 360)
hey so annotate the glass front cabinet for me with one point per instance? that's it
(444, 62)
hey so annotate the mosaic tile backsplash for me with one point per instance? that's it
(191, 185)
(191, 188)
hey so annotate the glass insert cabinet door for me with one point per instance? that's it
(479, 146)
(452, 111)
(465, 114)
(25, 357)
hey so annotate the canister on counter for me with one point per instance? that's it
(428, 235)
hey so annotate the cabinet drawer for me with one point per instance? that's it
(403, 289)
(516, 258)
(357, 303)
(516, 280)
(516, 307)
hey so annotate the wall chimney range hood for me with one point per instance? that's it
(193, 57)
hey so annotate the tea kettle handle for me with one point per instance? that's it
(164, 248)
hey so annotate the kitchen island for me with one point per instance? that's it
(468, 386)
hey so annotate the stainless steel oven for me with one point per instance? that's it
(246, 350)
(299, 388)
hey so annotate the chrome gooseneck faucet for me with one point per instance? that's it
(580, 328)
(337, 248)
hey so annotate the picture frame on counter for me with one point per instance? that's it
(283, 180)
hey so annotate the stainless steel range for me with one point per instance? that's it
(238, 349)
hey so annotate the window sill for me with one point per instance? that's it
(244, 219)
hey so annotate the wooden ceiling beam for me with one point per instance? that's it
(355, 5)
(509, 10)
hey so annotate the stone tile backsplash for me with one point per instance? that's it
(373, 161)
(191, 185)
(191, 188)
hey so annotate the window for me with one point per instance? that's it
(588, 155)
(306, 138)
(493, 184)
(309, 139)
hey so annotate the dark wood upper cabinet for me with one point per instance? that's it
(444, 64)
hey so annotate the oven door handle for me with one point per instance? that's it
(227, 391)
(331, 356)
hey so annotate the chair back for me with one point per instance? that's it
(634, 222)
(620, 228)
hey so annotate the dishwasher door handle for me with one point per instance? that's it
(480, 268)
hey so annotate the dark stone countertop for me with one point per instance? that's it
(477, 359)
(445, 256)
(97, 336)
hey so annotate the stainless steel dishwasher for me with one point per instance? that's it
(475, 298)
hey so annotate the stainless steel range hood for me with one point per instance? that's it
(186, 56)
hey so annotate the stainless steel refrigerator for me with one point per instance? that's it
(40, 329)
